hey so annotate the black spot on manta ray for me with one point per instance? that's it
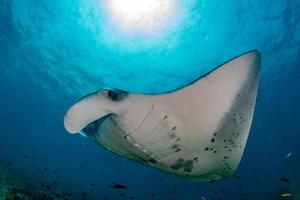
(152, 160)
(188, 166)
(172, 135)
(178, 164)
(212, 140)
(175, 147)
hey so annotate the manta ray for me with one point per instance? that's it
(197, 132)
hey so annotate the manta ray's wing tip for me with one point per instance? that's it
(254, 54)
(253, 51)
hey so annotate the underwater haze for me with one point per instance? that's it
(53, 52)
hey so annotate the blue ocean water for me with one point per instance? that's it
(54, 52)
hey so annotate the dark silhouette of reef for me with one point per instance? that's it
(12, 188)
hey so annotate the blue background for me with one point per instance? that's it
(53, 52)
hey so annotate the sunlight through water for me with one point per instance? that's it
(137, 15)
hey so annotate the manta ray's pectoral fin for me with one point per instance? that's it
(225, 101)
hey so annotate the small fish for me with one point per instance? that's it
(152, 194)
(288, 155)
(284, 179)
(92, 184)
(203, 198)
(286, 195)
(118, 186)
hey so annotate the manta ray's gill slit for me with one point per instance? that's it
(154, 128)
(167, 135)
(145, 155)
(147, 115)
(172, 146)
(160, 121)
(173, 136)
(137, 151)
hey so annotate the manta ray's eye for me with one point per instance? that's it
(116, 95)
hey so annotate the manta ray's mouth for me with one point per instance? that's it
(91, 129)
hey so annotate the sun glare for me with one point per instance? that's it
(140, 14)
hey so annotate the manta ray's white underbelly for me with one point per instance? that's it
(170, 143)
